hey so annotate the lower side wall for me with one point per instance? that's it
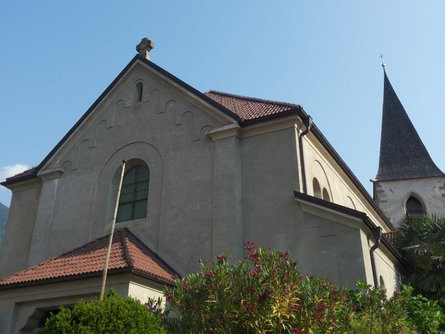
(331, 250)
(22, 308)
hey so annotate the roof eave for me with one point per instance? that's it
(297, 111)
(93, 274)
(407, 178)
(63, 278)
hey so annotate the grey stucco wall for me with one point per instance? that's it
(391, 196)
(21, 308)
(166, 131)
(19, 228)
(331, 250)
(270, 175)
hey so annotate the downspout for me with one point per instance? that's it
(378, 237)
(300, 142)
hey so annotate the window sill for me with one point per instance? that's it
(133, 222)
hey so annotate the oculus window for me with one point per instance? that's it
(134, 194)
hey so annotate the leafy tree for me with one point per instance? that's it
(113, 314)
(266, 294)
(422, 242)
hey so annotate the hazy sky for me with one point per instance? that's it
(57, 57)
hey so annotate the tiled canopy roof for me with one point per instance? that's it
(249, 108)
(128, 254)
(402, 153)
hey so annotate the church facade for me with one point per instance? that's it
(206, 172)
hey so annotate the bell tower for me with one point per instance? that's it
(408, 183)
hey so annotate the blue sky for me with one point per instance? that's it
(57, 57)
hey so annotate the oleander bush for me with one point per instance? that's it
(267, 294)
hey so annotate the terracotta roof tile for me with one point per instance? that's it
(23, 175)
(249, 108)
(128, 253)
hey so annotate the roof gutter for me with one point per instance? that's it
(308, 125)
(378, 237)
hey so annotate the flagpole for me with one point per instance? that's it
(113, 224)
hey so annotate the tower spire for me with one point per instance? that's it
(402, 153)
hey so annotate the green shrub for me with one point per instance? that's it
(266, 294)
(114, 314)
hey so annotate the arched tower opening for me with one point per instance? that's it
(414, 207)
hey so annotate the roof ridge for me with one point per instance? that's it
(155, 257)
(125, 248)
(252, 98)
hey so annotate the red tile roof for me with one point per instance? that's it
(128, 254)
(23, 175)
(250, 108)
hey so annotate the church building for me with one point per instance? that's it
(205, 173)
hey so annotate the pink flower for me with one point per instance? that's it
(321, 307)
(297, 307)
(221, 258)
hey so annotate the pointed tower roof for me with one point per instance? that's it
(402, 153)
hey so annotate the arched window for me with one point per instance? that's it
(134, 194)
(414, 207)
(139, 89)
(316, 188)
(326, 195)
(381, 283)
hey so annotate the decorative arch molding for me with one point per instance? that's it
(111, 115)
(351, 203)
(106, 191)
